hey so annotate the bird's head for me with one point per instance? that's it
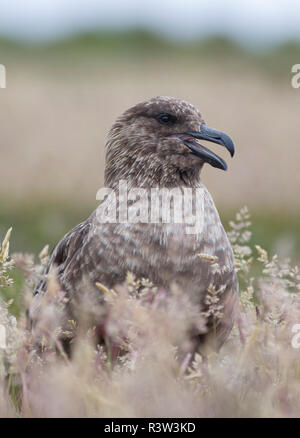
(156, 142)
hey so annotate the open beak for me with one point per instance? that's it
(208, 134)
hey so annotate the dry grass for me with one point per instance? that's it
(255, 374)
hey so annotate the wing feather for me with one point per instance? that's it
(64, 251)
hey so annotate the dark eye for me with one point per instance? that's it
(166, 119)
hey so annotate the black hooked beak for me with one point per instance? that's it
(202, 152)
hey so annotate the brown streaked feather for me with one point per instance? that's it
(143, 153)
(64, 252)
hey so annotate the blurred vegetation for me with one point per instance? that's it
(142, 44)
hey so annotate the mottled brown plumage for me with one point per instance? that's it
(148, 150)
